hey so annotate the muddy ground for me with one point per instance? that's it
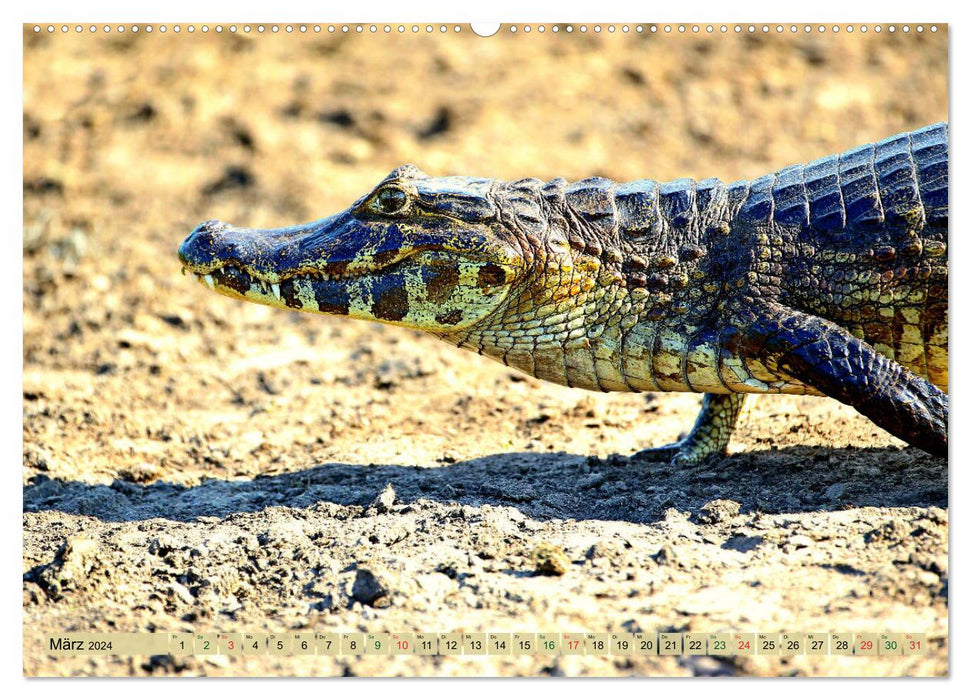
(199, 464)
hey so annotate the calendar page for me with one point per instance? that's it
(515, 349)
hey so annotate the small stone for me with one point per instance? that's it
(929, 562)
(550, 560)
(667, 556)
(800, 541)
(435, 586)
(370, 586)
(385, 499)
(602, 549)
(177, 590)
(742, 543)
(718, 511)
(32, 593)
(673, 515)
(72, 564)
(593, 481)
(835, 492)
(891, 532)
(141, 473)
(163, 544)
(37, 458)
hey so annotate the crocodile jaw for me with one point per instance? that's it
(426, 291)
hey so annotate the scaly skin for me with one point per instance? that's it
(825, 279)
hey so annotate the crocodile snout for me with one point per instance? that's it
(199, 246)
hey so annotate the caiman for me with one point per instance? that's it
(825, 279)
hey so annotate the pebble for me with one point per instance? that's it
(370, 586)
(141, 473)
(800, 541)
(592, 481)
(742, 543)
(835, 492)
(550, 559)
(37, 458)
(718, 511)
(385, 499)
(177, 590)
(667, 556)
(73, 563)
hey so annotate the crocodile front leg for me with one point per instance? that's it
(710, 435)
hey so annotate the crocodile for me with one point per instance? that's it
(827, 279)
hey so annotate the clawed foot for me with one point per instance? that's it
(677, 454)
(709, 437)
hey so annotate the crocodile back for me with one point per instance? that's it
(860, 238)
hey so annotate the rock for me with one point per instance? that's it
(435, 586)
(667, 556)
(929, 562)
(742, 543)
(550, 560)
(371, 586)
(592, 481)
(382, 534)
(835, 492)
(71, 565)
(142, 473)
(801, 541)
(32, 593)
(37, 458)
(889, 533)
(675, 516)
(517, 492)
(163, 545)
(177, 590)
(718, 511)
(604, 549)
(385, 499)
(282, 537)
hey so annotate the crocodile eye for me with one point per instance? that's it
(390, 200)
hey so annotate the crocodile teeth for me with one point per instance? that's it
(208, 280)
(276, 290)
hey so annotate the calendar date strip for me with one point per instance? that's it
(310, 643)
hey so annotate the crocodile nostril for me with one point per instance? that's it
(207, 231)
(197, 247)
(211, 226)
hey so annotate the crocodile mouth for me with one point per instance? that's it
(324, 291)
(334, 271)
(241, 280)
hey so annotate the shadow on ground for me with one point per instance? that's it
(543, 486)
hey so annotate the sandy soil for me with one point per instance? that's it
(195, 463)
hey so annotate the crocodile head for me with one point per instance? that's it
(421, 252)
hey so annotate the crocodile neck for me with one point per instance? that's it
(624, 307)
